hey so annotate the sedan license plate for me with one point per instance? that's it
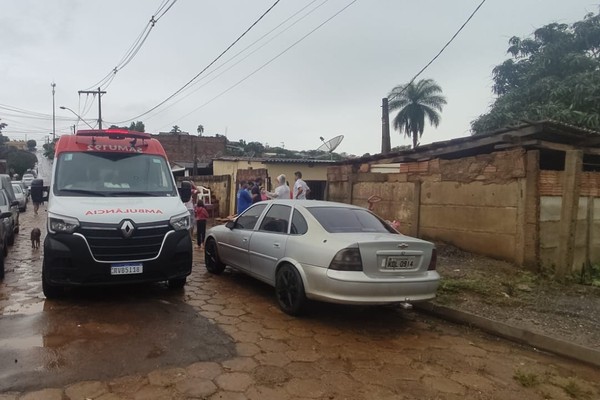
(126, 269)
(395, 262)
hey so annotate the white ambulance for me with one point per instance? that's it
(114, 214)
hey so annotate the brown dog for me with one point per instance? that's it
(35, 238)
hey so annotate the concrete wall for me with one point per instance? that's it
(219, 190)
(587, 227)
(475, 203)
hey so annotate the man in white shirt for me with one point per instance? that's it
(301, 189)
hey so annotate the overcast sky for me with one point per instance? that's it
(329, 83)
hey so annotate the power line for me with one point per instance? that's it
(442, 50)
(136, 46)
(249, 54)
(205, 68)
(270, 61)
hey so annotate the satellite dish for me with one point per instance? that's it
(330, 145)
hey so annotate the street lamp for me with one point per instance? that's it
(77, 115)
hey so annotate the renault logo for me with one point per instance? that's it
(127, 228)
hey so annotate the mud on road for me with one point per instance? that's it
(223, 337)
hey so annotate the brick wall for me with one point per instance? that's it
(182, 147)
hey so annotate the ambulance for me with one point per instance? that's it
(115, 215)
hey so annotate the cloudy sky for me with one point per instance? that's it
(308, 69)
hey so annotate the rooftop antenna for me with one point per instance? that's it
(330, 145)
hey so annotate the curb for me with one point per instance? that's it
(520, 335)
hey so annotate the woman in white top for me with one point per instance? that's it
(282, 191)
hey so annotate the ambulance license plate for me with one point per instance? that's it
(126, 269)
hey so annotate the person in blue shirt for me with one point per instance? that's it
(244, 199)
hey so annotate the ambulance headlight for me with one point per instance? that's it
(62, 224)
(180, 222)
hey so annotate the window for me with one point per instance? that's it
(341, 219)
(299, 225)
(276, 219)
(249, 217)
(113, 174)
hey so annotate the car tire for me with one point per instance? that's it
(2, 266)
(213, 263)
(176, 284)
(289, 290)
(50, 291)
(5, 250)
(11, 239)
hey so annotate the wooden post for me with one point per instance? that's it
(568, 212)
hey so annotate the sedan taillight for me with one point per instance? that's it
(347, 260)
(433, 261)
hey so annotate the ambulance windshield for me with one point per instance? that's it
(112, 174)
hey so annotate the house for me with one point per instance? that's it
(529, 194)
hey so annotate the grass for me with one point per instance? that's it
(526, 379)
(576, 392)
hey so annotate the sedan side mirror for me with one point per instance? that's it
(6, 214)
(14, 203)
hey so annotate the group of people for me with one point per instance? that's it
(199, 216)
(251, 192)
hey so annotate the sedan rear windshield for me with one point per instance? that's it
(341, 219)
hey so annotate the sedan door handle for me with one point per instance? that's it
(276, 245)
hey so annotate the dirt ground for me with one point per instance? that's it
(503, 292)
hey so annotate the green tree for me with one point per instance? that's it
(137, 126)
(3, 139)
(552, 75)
(200, 130)
(31, 144)
(175, 129)
(415, 102)
(49, 149)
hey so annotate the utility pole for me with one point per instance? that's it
(385, 126)
(53, 113)
(99, 93)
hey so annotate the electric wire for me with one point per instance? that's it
(440, 52)
(242, 51)
(136, 46)
(269, 62)
(205, 68)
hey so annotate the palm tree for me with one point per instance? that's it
(176, 129)
(200, 130)
(415, 102)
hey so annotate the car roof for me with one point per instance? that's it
(311, 203)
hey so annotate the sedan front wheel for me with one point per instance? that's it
(213, 263)
(289, 290)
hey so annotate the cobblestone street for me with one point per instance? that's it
(223, 337)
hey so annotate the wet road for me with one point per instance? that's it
(224, 338)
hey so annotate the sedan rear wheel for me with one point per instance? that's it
(1, 267)
(214, 265)
(289, 290)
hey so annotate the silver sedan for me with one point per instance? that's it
(325, 251)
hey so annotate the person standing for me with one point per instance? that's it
(244, 199)
(282, 191)
(201, 218)
(256, 190)
(301, 189)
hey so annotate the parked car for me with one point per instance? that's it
(20, 196)
(27, 179)
(3, 242)
(25, 189)
(324, 251)
(8, 203)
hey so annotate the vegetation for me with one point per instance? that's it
(526, 379)
(17, 160)
(31, 145)
(49, 149)
(415, 102)
(200, 130)
(137, 126)
(553, 75)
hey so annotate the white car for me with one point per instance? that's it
(20, 196)
(27, 179)
(324, 251)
